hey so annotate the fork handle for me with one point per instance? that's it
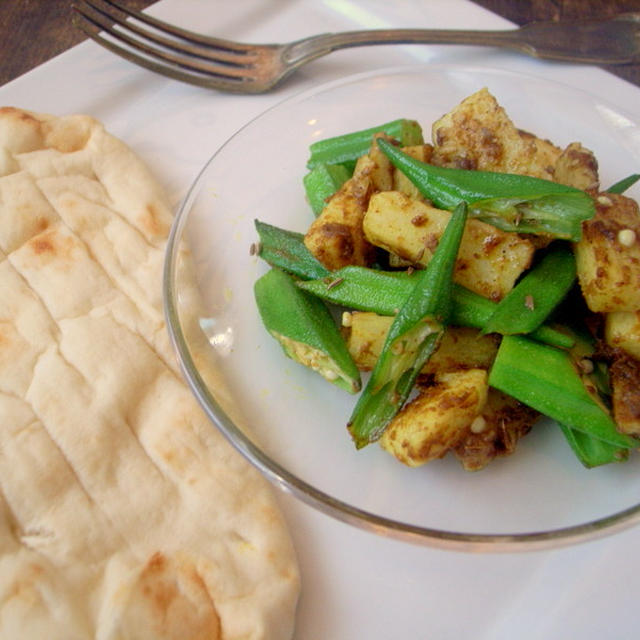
(576, 41)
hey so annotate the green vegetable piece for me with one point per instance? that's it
(622, 185)
(507, 201)
(536, 295)
(384, 292)
(414, 334)
(305, 329)
(364, 289)
(322, 182)
(346, 149)
(593, 452)
(286, 250)
(546, 379)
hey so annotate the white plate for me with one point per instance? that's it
(295, 416)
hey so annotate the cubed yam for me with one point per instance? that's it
(463, 348)
(608, 255)
(460, 347)
(437, 418)
(489, 260)
(365, 333)
(622, 331)
(577, 167)
(335, 237)
(478, 134)
(495, 432)
(401, 182)
(624, 378)
(382, 170)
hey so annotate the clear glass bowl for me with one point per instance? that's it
(288, 421)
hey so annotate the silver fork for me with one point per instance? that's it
(225, 65)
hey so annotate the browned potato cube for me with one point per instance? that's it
(622, 330)
(624, 377)
(460, 348)
(577, 167)
(401, 182)
(438, 418)
(608, 255)
(478, 134)
(489, 260)
(335, 237)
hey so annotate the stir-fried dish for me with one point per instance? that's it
(483, 279)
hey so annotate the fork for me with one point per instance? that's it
(238, 67)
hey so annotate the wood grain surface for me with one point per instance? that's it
(33, 31)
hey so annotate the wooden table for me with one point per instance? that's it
(32, 31)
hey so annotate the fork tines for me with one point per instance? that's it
(164, 48)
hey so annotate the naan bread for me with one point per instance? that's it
(123, 513)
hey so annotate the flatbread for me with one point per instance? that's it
(123, 513)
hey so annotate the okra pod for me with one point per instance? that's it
(413, 336)
(536, 295)
(510, 202)
(592, 452)
(622, 185)
(546, 379)
(286, 250)
(347, 148)
(384, 292)
(322, 182)
(305, 329)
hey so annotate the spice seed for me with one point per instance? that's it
(626, 237)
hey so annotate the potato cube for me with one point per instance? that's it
(478, 134)
(460, 348)
(622, 330)
(438, 418)
(365, 335)
(489, 260)
(577, 167)
(624, 377)
(608, 255)
(401, 182)
(335, 237)
(463, 348)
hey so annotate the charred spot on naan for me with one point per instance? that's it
(170, 597)
(51, 244)
(153, 222)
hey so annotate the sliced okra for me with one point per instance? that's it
(347, 148)
(546, 379)
(305, 329)
(414, 335)
(384, 292)
(622, 185)
(322, 182)
(536, 295)
(508, 201)
(286, 250)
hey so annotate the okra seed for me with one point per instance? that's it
(604, 201)
(397, 348)
(626, 237)
(347, 319)
(330, 374)
(478, 425)
(586, 365)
